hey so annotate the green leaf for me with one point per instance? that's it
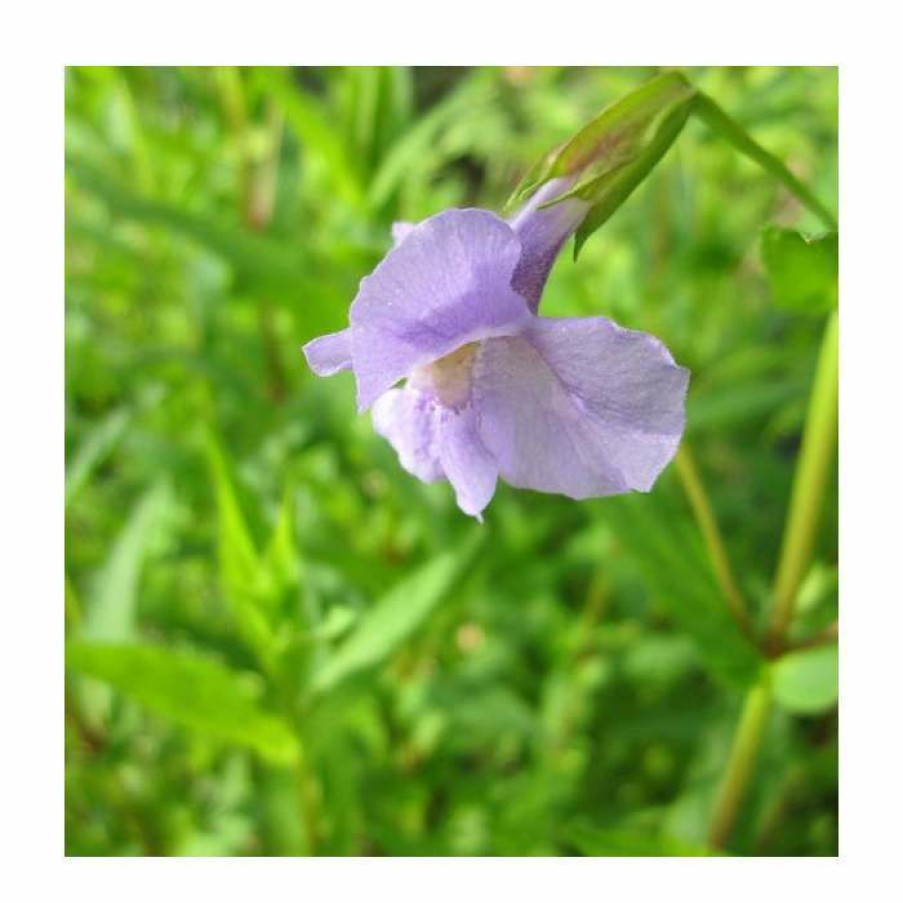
(110, 614)
(319, 135)
(245, 578)
(271, 264)
(805, 682)
(239, 561)
(802, 271)
(194, 692)
(675, 569)
(414, 143)
(281, 557)
(716, 119)
(99, 442)
(591, 841)
(396, 616)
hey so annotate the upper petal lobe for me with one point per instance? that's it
(447, 283)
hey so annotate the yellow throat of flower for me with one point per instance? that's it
(447, 378)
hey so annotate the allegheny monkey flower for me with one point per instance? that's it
(576, 406)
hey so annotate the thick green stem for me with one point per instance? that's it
(708, 526)
(715, 118)
(740, 765)
(809, 485)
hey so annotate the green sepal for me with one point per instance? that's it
(613, 188)
(612, 154)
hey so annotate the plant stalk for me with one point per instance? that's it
(708, 526)
(259, 178)
(308, 805)
(741, 762)
(809, 484)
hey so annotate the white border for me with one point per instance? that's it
(37, 42)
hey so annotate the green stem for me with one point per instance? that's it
(708, 526)
(713, 116)
(740, 765)
(809, 484)
(259, 178)
(308, 805)
(825, 637)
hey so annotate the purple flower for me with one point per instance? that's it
(577, 406)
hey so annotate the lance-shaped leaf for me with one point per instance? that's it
(396, 616)
(195, 692)
(114, 600)
(611, 155)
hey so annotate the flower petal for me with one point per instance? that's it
(410, 421)
(542, 234)
(467, 463)
(330, 353)
(446, 284)
(580, 407)
(400, 231)
(434, 442)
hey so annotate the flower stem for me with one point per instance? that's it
(708, 526)
(718, 120)
(740, 765)
(809, 483)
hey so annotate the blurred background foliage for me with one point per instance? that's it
(281, 643)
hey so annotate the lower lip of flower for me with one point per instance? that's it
(447, 379)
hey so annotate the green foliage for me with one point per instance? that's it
(115, 593)
(279, 642)
(672, 561)
(195, 692)
(802, 271)
(95, 447)
(805, 682)
(394, 618)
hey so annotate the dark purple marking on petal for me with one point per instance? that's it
(542, 234)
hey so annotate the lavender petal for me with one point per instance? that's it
(329, 354)
(542, 234)
(446, 284)
(467, 463)
(410, 422)
(400, 231)
(580, 407)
